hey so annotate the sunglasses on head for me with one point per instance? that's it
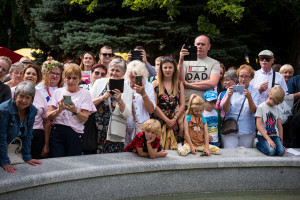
(102, 74)
(107, 54)
(265, 58)
(167, 59)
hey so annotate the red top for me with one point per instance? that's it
(138, 142)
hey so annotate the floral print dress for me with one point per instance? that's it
(102, 117)
(167, 103)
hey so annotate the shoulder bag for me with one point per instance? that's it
(117, 124)
(14, 151)
(231, 125)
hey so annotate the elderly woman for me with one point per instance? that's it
(169, 93)
(52, 80)
(143, 100)
(244, 103)
(17, 119)
(15, 74)
(5, 64)
(230, 79)
(69, 109)
(287, 71)
(109, 103)
(98, 71)
(41, 126)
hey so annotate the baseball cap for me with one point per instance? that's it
(266, 53)
(210, 96)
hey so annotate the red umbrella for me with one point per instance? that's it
(9, 53)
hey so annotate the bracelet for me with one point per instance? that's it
(175, 117)
(144, 95)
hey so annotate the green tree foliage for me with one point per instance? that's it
(10, 19)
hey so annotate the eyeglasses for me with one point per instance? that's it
(167, 59)
(265, 58)
(244, 77)
(107, 54)
(74, 78)
(54, 74)
(102, 74)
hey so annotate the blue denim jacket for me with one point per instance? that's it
(10, 127)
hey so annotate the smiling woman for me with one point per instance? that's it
(52, 79)
(41, 126)
(17, 119)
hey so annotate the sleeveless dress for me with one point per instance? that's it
(167, 103)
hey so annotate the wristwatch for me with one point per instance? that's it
(75, 113)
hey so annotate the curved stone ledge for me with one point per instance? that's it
(125, 175)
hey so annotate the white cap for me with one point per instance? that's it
(266, 53)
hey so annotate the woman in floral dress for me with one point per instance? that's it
(169, 93)
(111, 101)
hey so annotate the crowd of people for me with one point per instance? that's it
(182, 106)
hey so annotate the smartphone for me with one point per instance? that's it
(116, 84)
(193, 53)
(67, 99)
(138, 80)
(136, 55)
(238, 88)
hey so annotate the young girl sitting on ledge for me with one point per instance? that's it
(146, 143)
(195, 130)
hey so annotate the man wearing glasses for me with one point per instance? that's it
(201, 75)
(263, 78)
(105, 56)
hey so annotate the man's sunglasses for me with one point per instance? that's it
(102, 74)
(107, 54)
(265, 58)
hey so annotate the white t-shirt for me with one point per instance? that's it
(197, 71)
(269, 115)
(82, 100)
(212, 124)
(47, 93)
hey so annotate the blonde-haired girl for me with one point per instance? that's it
(196, 137)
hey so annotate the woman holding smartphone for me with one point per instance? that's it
(245, 102)
(69, 109)
(111, 102)
(143, 100)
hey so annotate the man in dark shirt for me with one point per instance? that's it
(5, 92)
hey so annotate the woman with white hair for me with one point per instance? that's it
(112, 103)
(17, 118)
(143, 99)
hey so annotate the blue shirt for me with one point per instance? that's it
(246, 121)
(10, 127)
(294, 84)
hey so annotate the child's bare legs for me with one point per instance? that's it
(183, 150)
(212, 148)
(161, 153)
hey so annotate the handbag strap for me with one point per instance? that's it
(273, 80)
(239, 112)
(241, 109)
